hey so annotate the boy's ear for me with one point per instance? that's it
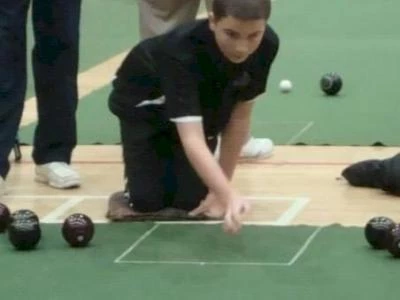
(211, 21)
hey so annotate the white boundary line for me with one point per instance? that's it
(290, 263)
(119, 259)
(300, 133)
(216, 222)
(137, 243)
(284, 219)
(200, 263)
(62, 209)
(305, 246)
(287, 217)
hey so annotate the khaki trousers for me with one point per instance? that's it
(159, 16)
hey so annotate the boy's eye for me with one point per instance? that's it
(232, 34)
(254, 36)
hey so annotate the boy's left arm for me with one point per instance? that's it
(234, 136)
(238, 129)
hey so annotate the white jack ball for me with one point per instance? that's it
(285, 86)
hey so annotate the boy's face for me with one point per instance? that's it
(237, 39)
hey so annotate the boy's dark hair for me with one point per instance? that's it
(245, 10)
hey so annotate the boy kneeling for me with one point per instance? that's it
(174, 94)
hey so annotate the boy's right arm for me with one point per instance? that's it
(180, 84)
(193, 141)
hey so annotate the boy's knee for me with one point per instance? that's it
(146, 202)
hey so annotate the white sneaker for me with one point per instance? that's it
(254, 148)
(257, 148)
(59, 175)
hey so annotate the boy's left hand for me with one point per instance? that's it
(210, 207)
(232, 215)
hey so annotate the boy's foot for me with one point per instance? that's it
(257, 148)
(59, 175)
(120, 210)
(254, 148)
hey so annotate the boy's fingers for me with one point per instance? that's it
(230, 223)
(202, 208)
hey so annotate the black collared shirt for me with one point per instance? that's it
(188, 76)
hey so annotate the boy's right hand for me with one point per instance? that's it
(231, 208)
(236, 207)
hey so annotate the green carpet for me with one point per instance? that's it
(336, 264)
(360, 41)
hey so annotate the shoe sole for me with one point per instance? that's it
(69, 185)
(262, 156)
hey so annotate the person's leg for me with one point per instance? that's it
(150, 179)
(145, 159)
(190, 188)
(55, 60)
(145, 169)
(13, 16)
(160, 16)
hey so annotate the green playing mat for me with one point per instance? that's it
(147, 261)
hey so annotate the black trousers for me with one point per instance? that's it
(157, 170)
(55, 67)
